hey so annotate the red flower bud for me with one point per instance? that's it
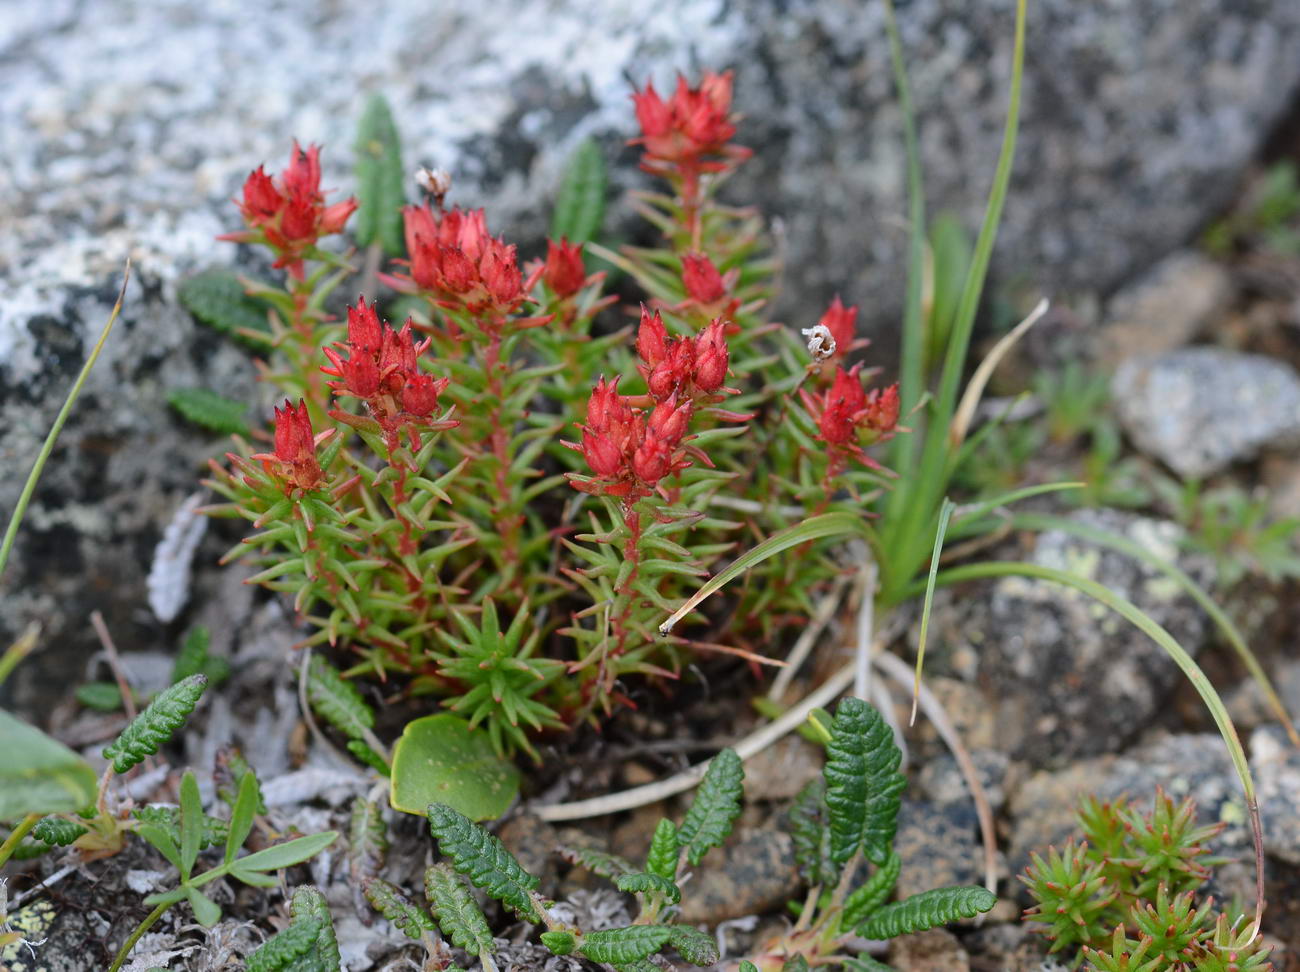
(302, 176)
(652, 337)
(652, 113)
(360, 374)
(602, 454)
(500, 272)
(701, 278)
(668, 421)
(334, 218)
(652, 460)
(564, 272)
(261, 199)
(882, 408)
(294, 461)
(711, 357)
(364, 331)
(420, 396)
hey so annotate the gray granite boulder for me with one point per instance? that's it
(128, 125)
(1199, 410)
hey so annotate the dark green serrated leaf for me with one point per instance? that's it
(747, 966)
(211, 411)
(484, 860)
(640, 965)
(308, 905)
(580, 203)
(456, 911)
(380, 177)
(810, 835)
(56, 831)
(337, 701)
(100, 696)
(665, 851)
(618, 946)
(228, 773)
(863, 784)
(597, 861)
(277, 953)
(795, 963)
(864, 901)
(194, 659)
(716, 806)
(643, 882)
(397, 908)
(927, 910)
(217, 298)
(367, 841)
(366, 755)
(155, 725)
(694, 945)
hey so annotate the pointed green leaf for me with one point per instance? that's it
(337, 701)
(380, 177)
(580, 203)
(644, 882)
(927, 910)
(161, 839)
(664, 851)
(207, 911)
(863, 784)
(864, 901)
(716, 806)
(456, 911)
(484, 860)
(287, 854)
(155, 725)
(191, 823)
(440, 759)
(242, 814)
(40, 775)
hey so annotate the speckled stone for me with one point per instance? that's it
(1199, 410)
(1276, 767)
(1060, 674)
(935, 950)
(752, 873)
(939, 846)
(129, 124)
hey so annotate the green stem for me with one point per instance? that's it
(30, 486)
(11, 842)
(140, 929)
(19, 650)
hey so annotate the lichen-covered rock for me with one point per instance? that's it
(1199, 410)
(128, 125)
(1276, 766)
(1062, 675)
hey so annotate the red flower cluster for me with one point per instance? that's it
(689, 368)
(454, 258)
(293, 463)
(289, 214)
(849, 418)
(564, 272)
(629, 451)
(381, 369)
(692, 124)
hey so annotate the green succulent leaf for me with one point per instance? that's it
(380, 177)
(397, 908)
(664, 851)
(191, 823)
(864, 901)
(644, 882)
(336, 700)
(619, 946)
(927, 910)
(210, 410)
(863, 784)
(242, 814)
(456, 911)
(440, 759)
(217, 298)
(695, 946)
(39, 774)
(483, 859)
(580, 203)
(716, 806)
(155, 725)
(56, 831)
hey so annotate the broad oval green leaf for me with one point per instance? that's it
(440, 759)
(40, 775)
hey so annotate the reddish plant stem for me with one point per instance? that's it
(508, 520)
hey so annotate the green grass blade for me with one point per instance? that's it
(945, 514)
(1146, 624)
(814, 528)
(38, 467)
(1041, 522)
